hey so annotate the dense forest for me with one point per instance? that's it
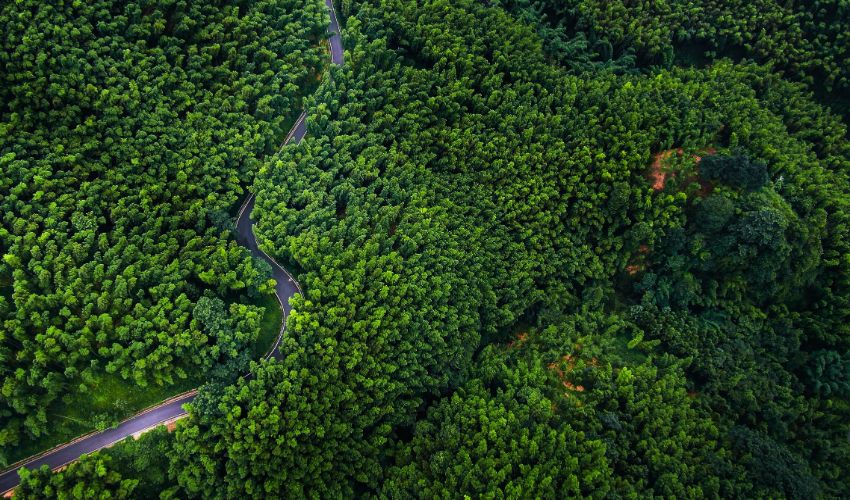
(128, 133)
(545, 252)
(805, 41)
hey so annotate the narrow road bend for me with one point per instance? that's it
(172, 408)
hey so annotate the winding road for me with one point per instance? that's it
(172, 409)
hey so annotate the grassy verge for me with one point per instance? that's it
(110, 400)
(269, 327)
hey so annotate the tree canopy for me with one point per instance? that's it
(542, 262)
(128, 133)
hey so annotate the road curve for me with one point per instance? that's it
(172, 408)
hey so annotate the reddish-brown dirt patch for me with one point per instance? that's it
(574, 388)
(563, 373)
(659, 176)
(638, 263)
(656, 172)
(520, 339)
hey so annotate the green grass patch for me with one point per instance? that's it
(269, 327)
(108, 401)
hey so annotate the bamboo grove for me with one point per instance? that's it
(540, 258)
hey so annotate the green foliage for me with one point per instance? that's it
(145, 459)
(126, 130)
(806, 40)
(735, 171)
(621, 431)
(505, 437)
(829, 373)
(454, 182)
(676, 241)
(136, 467)
(90, 477)
(738, 292)
(774, 469)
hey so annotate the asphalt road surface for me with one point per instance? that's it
(173, 408)
(336, 41)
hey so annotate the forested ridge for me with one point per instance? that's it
(542, 256)
(805, 41)
(129, 132)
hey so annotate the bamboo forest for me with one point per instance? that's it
(424, 249)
